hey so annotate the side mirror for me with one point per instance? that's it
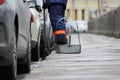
(38, 8)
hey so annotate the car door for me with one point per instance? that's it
(24, 16)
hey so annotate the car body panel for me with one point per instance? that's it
(6, 35)
(24, 16)
(8, 11)
(35, 27)
(71, 26)
(82, 26)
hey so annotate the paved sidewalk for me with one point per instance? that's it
(99, 60)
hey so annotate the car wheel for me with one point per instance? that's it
(10, 72)
(44, 52)
(84, 31)
(48, 47)
(12, 69)
(41, 51)
(35, 56)
(25, 67)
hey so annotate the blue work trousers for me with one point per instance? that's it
(57, 12)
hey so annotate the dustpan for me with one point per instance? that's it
(70, 48)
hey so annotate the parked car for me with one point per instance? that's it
(35, 29)
(82, 26)
(15, 38)
(71, 26)
(49, 36)
(68, 27)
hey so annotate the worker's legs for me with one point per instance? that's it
(56, 13)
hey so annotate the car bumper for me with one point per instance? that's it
(6, 37)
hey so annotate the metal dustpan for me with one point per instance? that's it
(66, 49)
(69, 48)
(72, 47)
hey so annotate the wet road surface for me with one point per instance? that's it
(99, 60)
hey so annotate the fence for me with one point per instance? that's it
(107, 24)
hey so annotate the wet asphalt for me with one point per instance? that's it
(99, 60)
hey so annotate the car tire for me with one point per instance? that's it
(12, 69)
(25, 67)
(10, 72)
(41, 51)
(35, 55)
(44, 52)
(49, 47)
(42, 55)
(84, 31)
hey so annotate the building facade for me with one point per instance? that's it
(89, 9)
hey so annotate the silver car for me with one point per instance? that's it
(49, 37)
(15, 45)
(82, 26)
(35, 8)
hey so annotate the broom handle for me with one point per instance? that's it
(44, 26)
